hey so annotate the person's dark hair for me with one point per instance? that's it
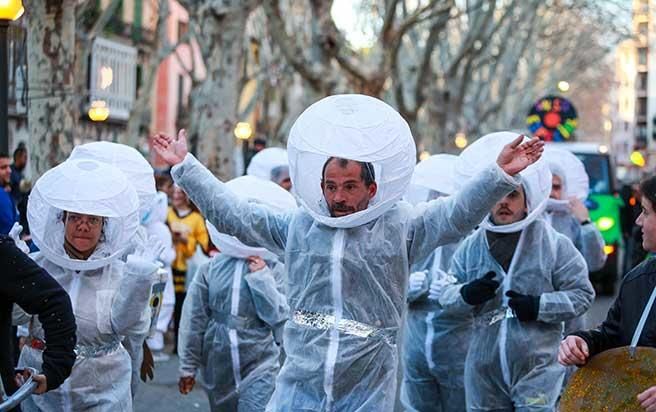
(367, 173)
(3, 154)
(259, 140)
(277, 171)
(21, 149)
(648, 189)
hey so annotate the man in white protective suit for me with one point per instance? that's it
(520, 279)
(348, 248)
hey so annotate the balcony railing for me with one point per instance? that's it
(113, 77)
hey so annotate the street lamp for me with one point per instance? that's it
(98, 112)
(461, 140)
(563, 86)
(10, 10)
(243, 131)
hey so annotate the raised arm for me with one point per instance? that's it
(252, 223)
(448, 220)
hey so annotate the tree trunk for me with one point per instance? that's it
(214, 105)
(52, 113)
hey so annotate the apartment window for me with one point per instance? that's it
(642, 106)
(642, 81)
(643, 28)
(642, 56)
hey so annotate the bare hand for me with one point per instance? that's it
(517, 156)
(579, 210)
(573, 351)
(647, 399)
(42, 386)
(256, 263)
(173, 151)
(41, 380)
(186, 384)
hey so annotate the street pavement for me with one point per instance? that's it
(162, 393)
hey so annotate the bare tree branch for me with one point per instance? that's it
(288, 48)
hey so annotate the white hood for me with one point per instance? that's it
(128, 160)
(536, 179)
(88, 187)
(353, 127)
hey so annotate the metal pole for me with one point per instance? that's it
(4, 89)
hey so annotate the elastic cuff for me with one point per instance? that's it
(176, 170)
(513, 180)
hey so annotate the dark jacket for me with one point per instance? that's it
(623, 317)
(23, 282)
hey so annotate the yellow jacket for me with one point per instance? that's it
(193, 225)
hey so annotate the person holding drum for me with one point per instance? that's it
(625, 313)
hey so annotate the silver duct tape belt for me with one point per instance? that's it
(494, 316)
(236, 322)
(96, 351)
(351, 327)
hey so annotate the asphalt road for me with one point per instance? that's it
(162, 394)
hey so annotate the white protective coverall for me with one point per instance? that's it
(109, 296)
(347, 276)
(232, 318)
(586, 238)
(434, 343)
(142, 177)
(154, 221)
(512, 364)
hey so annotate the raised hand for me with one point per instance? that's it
(172, 150)
(579, 210)
(517, 156)
(14, 234)
(151, 250)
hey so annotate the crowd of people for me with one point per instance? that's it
(330, 275)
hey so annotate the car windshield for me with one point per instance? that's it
(598, 168)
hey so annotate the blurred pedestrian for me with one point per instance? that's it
(259, 144)
(8, 211)
(189, 233)
(20, 186)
